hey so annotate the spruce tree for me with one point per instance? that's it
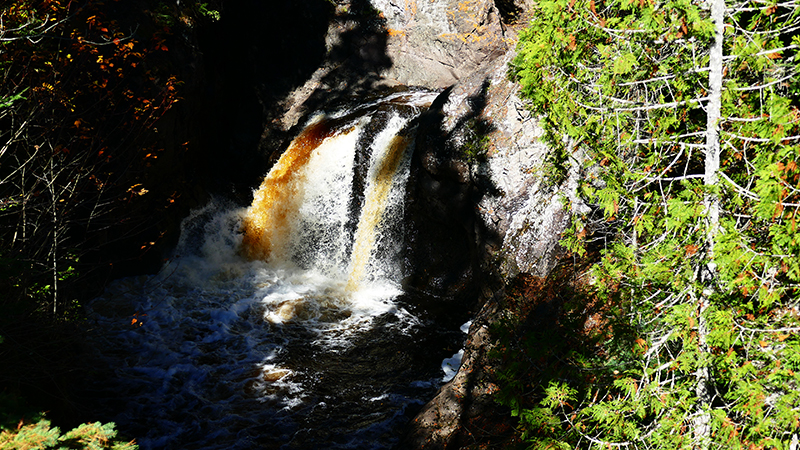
(688, 115)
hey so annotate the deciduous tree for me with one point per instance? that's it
(78, 101)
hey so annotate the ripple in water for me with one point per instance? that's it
(220, 351)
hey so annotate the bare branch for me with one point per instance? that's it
(739, 189)
(645, 108)
(764, 86)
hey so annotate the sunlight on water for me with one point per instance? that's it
(217, 342)
(285, 196)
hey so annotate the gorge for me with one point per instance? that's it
(399, 224)
(398, 192)
(284, 325)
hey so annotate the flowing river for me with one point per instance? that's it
(283, 324)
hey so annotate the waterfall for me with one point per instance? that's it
(281, 324)
(301, 208)
(383, 202)
(300, 213)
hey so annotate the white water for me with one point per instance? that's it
(451, 365)
(384, 196)
(220, 350)
(317, 235)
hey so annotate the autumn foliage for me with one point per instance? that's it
(85, 87)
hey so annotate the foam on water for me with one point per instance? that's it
(215, 333)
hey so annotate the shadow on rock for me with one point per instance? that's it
(254, 56)
(443, 256)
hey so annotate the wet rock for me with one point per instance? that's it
(464, 410)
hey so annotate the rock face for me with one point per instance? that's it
(516, 221)
(521, 214)
(479, 195)
(374, 44)
(435, 43)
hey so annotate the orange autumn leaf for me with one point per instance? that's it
(572, 44)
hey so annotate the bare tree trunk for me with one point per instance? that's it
(703, 390)
(54, 249)
(713, 115)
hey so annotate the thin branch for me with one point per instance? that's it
(761, 140)
(644, 108)
(749, 194)
(763, 86)
(765, 330)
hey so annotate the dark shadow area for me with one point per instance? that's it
(548, 328)
(255, 55)
(510, 11)
(445, 243)
(394, 369)
(356, 57)
(554, 331)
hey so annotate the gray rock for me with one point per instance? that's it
(434, 43)
(519, 218)
(522, 216)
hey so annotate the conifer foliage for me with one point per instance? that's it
(90, 436)
(687, 112)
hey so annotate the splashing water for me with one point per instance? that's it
(281, 325)
(289, 203)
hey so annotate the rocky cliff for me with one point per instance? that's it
(517, 218)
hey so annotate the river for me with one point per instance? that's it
(283, 324)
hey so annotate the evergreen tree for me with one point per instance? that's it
(39, 435)
(688, 115)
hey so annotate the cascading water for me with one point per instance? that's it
(383, 199)
(281, 325)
